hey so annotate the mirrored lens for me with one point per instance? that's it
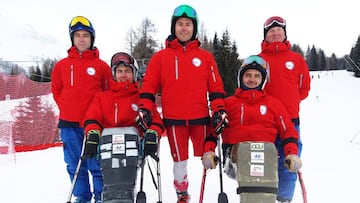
(252, 59)
(276, 19)
(185, 10)
(122, 58)
(80, 19)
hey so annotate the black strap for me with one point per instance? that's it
(250, 189)
(200, 121)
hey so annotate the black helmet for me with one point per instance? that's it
(81, 23)
(122, 58)
(188, 12)
(257, 63)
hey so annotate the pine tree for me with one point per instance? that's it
(35, 123)
(226, 57)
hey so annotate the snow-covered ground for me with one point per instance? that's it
(330, 132)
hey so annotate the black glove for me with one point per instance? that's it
(150, 143)
(92, 143)
(226, 149)
(219, 121)
(144, 119)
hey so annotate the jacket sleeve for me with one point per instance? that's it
(210, 142)
(304, 86)
(150, 84)
(157, 123)
(216, 87)
(288, 134)
(107, 77)
(93, 116)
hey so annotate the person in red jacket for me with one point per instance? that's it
(118, 107)
(188, 78)
(289, 81)
(75, 79)
(254, 116)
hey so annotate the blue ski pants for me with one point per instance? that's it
(72, 139)
(287, 180)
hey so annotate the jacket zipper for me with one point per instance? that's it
(268, 72)
(213, 73)
(176, 68)
(301, 79)
(116, 113)
(283, 123)
(242, 113)
(72, 75)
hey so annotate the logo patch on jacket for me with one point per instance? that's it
(91, 71)
(134, 107)
(289, 65)
(263, 109)
(196, 62)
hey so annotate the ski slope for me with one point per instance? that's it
(330, 132)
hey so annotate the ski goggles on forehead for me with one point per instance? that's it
(80, 19)
(254, 59)
(278, 20)
(185, 10)
(122, 58)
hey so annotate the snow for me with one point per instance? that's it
(331, 151)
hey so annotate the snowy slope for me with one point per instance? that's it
(330, 133)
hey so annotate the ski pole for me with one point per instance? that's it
(222, 197)
(152, 176)
(202, 186)
(302, 184)
(158, 173)
(77, 171)
(141, 196)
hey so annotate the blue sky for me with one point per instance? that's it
(38, 28)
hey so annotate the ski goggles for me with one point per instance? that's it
(254, 59)
(185, 10)
(122, 58)
(80, 19)
(275, 19)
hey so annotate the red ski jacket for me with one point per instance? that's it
(255, 116)
(75, 79)
(187, 77)
(288, 78)
(117, 108)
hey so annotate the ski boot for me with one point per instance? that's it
(183, 197)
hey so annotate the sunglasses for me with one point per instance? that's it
(275, 19)
(80, 19)
(122, 58)
(185, 10)
(254, 59)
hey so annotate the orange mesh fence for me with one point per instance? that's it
(28, 107)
